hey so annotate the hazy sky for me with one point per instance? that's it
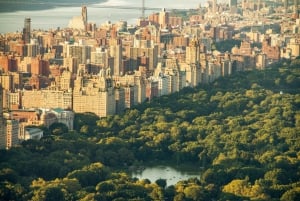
(60, 16)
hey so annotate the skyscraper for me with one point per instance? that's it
(163, 18)
(116, 53)
(27, 30)
(80, 22)
(2, 128)
(84, 16)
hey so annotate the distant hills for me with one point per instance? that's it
(19, 5)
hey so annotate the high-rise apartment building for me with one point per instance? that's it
(84, 16)
(27, 30)
(80, 22)
(147, 49)
(193, 74)
(175, 21)
(66, 81)
(140, 83)
(8, 63)
(261, 61)
(40, 66)
(32, 48)
(94, 94)
(193, 52)
(245, 48)
(163, 18)
(7, 81)
(100, 57)
(119, 99)
(130, 96)
(71, 63)
(294, 46)
(14, 100)
(177, 77)
(47, 99)
(272, 52)
(80, 51)
(116, 53)
(12, 132)
(2, 125)
(192, 64)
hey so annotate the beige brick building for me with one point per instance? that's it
(12, 133)
(94, 94)
(47, 99)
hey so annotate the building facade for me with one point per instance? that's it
(94, 94)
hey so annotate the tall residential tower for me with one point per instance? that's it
(84, 16)
(2, 127)
(27, 30)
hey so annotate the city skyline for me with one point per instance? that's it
(126, 101)
(110, 67)
(59, 16)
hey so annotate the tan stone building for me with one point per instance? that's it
(94, 94)
(47, 99)
(272, 52)
(192, 64)
(12, 132)
(294, 46)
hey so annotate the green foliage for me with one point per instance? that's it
(11, 191)
(226, 45)
(242, 130)
(291, 195)
(84, 122)
(58, 129)
(90, 175)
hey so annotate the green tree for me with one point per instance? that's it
(58, 128)
(162, 183)
(48, 194)
(291, 195)
(11, 191)
(194, 192)
(90, 175)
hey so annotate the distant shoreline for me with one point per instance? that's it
(7, 6)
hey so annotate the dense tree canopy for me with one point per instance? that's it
(242, 130)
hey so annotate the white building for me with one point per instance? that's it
(64, 116)
(32, 134)
(163, 85)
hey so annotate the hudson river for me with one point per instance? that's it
(60, 16)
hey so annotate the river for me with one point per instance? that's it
(60, 16)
